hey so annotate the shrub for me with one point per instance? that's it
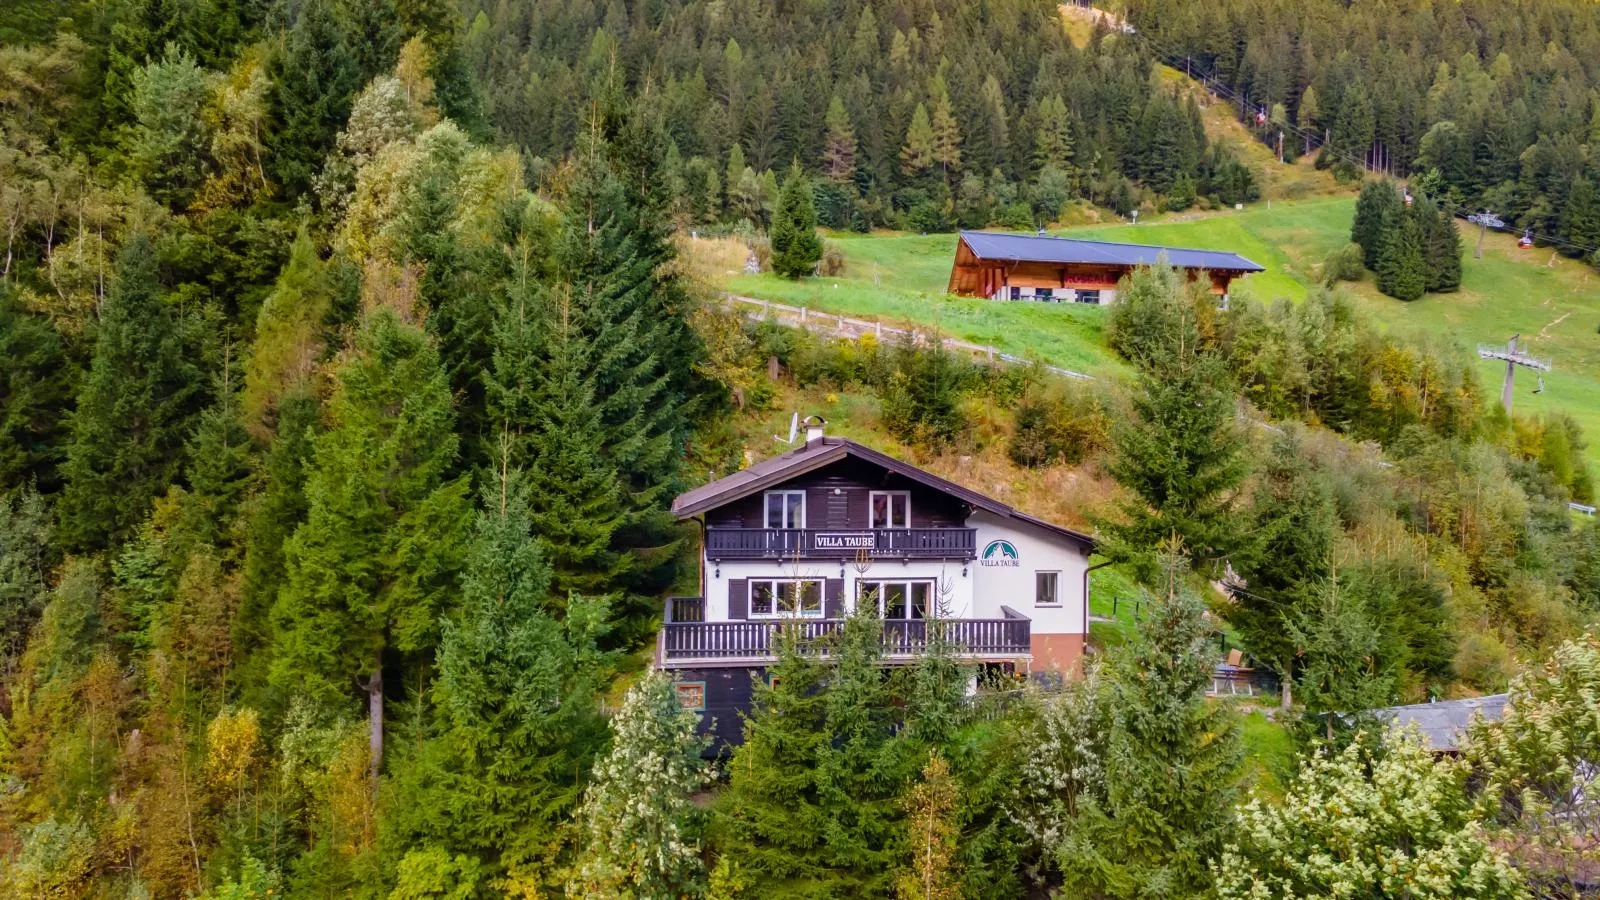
(1344, 264)
(1062, 424)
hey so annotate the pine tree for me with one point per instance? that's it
(839, 145)
(372, 567)
(1053, 135)
(796, 246)
(1378, 205)
(917, 154)
(1402, 270)
(133, 409)
(1171, 765)
(638, 814)
(1180, 454)
(35, 397)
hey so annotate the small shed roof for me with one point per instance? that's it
(1039, 248)
(1443, 723)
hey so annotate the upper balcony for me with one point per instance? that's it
(875, 543)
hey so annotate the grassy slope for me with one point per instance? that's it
(1553, 302)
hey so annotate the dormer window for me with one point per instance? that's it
(786, 509)
(890, 509)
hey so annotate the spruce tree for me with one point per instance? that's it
(796, 247)
(317, 76)
(638, 817)
(1378, 206)
(1580, 216)
(946, 133)
(769, 823)
(131, 421)
(1180, 454)
(1402, 269)
(629, 313)
(1171, 764)
(375, 562)
(1441, 250)
(35, 397)
(515, 698)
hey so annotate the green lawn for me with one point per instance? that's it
(1554, 303)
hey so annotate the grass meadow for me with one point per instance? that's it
(1553, 302)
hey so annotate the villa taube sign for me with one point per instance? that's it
(855, 540)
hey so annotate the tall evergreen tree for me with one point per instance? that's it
(36, 385)
(1441, 245)
(317, 75)
(946, 133)
(370, 570)
(1402, 268)
(839, 146)
(133, 409)
(1377, 207)
(796, 246)
(1580, 217)
(515, 694)
(1180, 454)
(917, 154)
(1171, 765)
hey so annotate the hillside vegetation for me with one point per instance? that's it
(1552, 301)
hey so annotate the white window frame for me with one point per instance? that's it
(882, 599)
(778, 612)
(872, 513)
(1078, 296)
(766, 508)
(1054, 601)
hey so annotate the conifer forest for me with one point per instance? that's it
(353, 352)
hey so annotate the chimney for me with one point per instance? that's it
(814, 428)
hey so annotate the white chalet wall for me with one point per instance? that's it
(1038, 550)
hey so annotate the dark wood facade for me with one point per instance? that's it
(838, 498)
(972, 276)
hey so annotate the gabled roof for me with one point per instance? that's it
(824, 451)
(1038, 248)
(1443, 723)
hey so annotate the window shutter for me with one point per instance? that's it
(833, 598)
(738, 598)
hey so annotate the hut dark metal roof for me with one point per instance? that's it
(1443, 723)
(826, 450)
(1039, 248)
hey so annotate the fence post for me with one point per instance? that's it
(877, 330)
(802, 315)
(766, 309)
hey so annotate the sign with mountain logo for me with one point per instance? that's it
(999, 553)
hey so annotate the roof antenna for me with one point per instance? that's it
(794, 429)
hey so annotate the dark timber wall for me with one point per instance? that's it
(849, 508)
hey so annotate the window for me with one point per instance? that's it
(786, 509)
(890, 509)
(1047, 589)
(1043, 294)
(771, 598)
(1088, 297)
(691, 694)
(1016, 293)
(897, 599)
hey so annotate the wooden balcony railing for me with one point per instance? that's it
(756, 640)
(839, 543)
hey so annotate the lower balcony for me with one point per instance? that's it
(687, 643)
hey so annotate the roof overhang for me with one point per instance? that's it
(826, 451)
